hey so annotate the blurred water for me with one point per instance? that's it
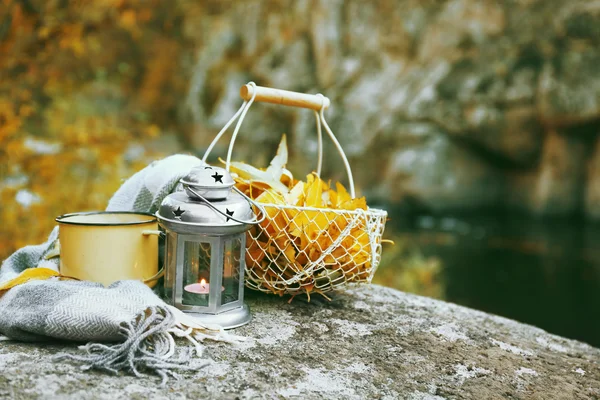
(544, 273)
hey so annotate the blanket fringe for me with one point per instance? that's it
(150, 345)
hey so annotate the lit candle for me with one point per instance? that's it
(202, 287)
(199, 288)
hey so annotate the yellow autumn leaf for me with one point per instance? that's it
(255, 253)
(342, 195)
(275, 223)
(313, 190)
(272, 197)
(332, 198)
(29, 275)
(278, 162)
(252, 174)
(355, 204)
(296, 195)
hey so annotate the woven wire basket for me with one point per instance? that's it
(346, 248)
(295, 249)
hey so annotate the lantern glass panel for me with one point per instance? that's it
(170, 263)
(196, 273)
(232, 252)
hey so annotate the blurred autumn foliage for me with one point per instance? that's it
(404, 266)
(82, 100)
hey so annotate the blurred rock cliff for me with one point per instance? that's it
(440, 105)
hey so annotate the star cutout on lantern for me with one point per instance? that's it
(178, 213)
(230, 213)
(218, 178)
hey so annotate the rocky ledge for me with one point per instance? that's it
(369, 342)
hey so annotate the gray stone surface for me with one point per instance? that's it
(369, 342)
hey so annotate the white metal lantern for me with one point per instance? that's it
(205, 247)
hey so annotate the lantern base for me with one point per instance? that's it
(227, 319)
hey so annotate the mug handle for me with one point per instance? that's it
(161, 272)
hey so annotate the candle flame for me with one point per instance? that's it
(203, 281)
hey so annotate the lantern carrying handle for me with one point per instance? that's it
(230, 217)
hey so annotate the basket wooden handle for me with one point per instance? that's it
(284, 97)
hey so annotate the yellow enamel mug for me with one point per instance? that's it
(106, 247)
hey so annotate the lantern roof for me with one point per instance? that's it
(206, 205)
(213, 183)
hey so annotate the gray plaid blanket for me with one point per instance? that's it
(127, 312)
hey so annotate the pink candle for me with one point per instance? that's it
(199, 288)
(202, 287)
